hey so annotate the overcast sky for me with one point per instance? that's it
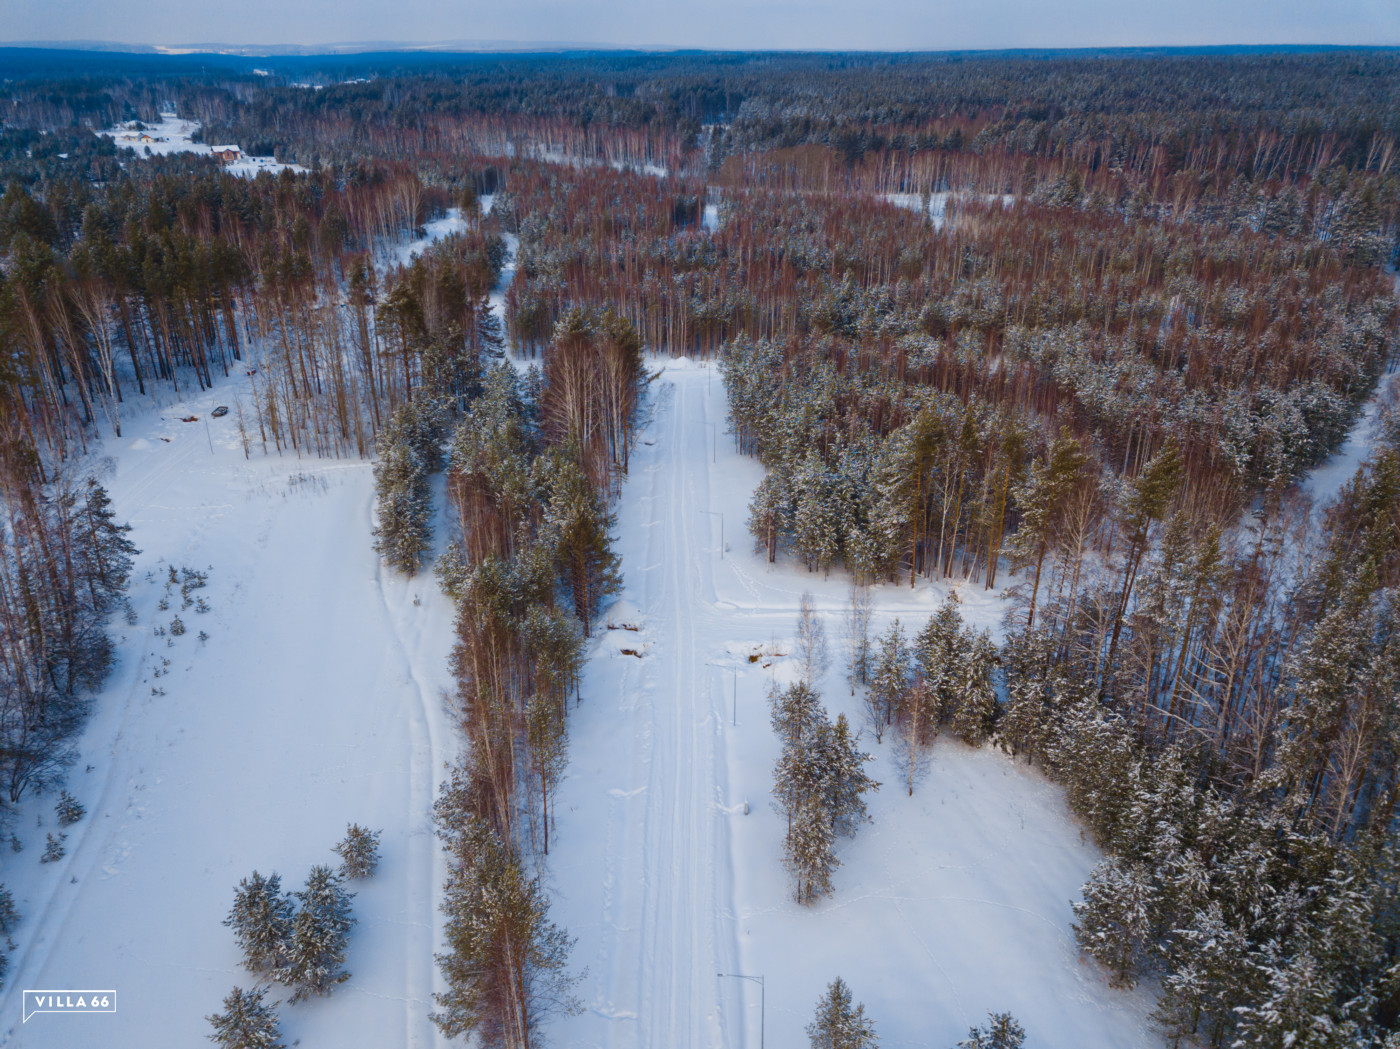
(857, 24)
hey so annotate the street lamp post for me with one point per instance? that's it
(762, 1007)
(720, 515)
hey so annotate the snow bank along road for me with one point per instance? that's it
(950, 903)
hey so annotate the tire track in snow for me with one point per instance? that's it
(684, 938)
(424, 866)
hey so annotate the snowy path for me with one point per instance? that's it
(951, 903)
(1325, 480)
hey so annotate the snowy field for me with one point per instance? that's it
(314, 702)
(172, 135)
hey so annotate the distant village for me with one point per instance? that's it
(135, 134)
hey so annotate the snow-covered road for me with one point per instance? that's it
(667, 860)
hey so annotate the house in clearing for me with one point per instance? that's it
(226, 154)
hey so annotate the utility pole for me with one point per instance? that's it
(762, 1007)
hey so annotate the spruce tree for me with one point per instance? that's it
(936, 657)
(1117, 919)
(403, 533)
(974, 709)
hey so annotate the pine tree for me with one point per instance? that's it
(890, 680)
(576, 524)
(1043, 499)
(261, 920)
(9, 913)
(973, 711)
(1145, 501)
(811, 639)
(1001, 1032)
(53, 849)
(793, 710)
(403, 533)
(505, 967)
(819, 785)
(315, 952)
(247, 1022)
(838, 1025)
(815, 531)
(809, 848)
(771, 511)
(1117, 920)
(69, 810)
(103, 547)
(359, 852)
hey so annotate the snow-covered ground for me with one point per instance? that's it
(403, 252)
(314, 702)
(317, 700)
(1325, 480)
(172, 135)
(667, 857)
(938, 203)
